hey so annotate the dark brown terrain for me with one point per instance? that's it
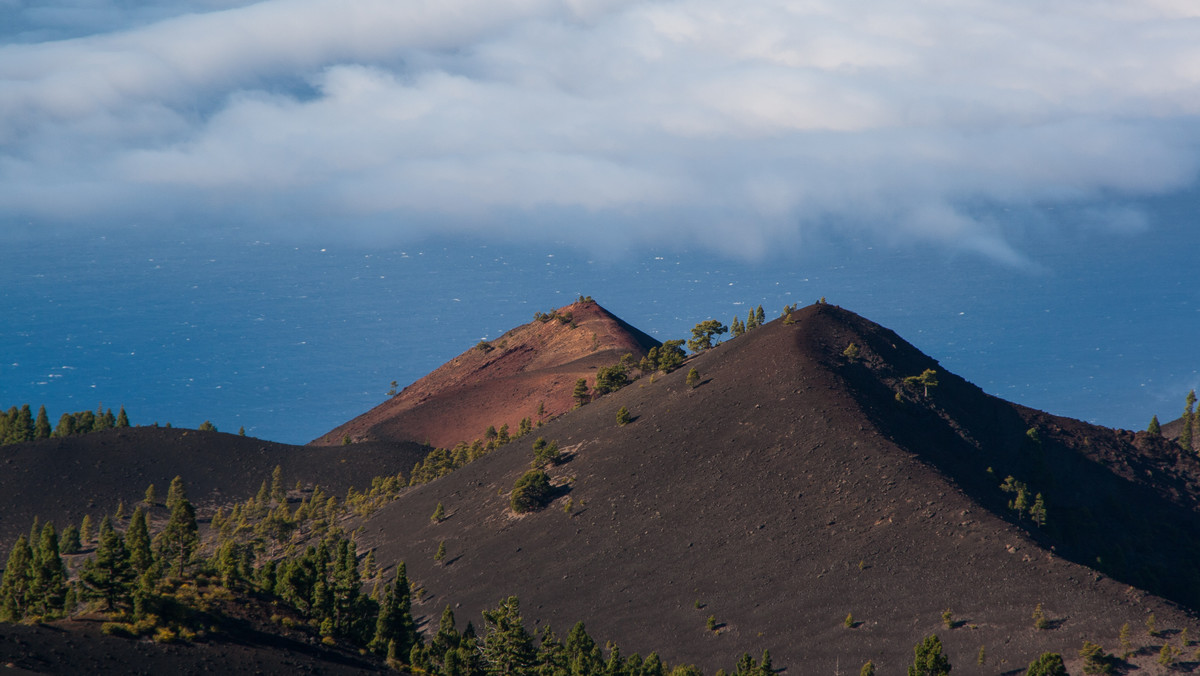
(60, 480)
(793, 486)
(501, 382)
(791, 489)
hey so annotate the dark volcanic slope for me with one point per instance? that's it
(60, 480)
(43, 649)
(790, 489)
(502, 382)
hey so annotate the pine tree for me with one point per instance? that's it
(1038, 511)
(440, 556)
(582, 651)
(1048, 664)
(615, 666)
(22, 429)
(41, 428)
(278, 492)
(69, 540)
(580, 394)
(263, 498)
(1040, 621)
(175, 492)
(122, 418)
(760, 317)
(107, 575)
(735, 327)
(671, 355)
(1154, 429)
(394, 626)
(765, 667)
(16, 585)
(179, 538)
(66, 426)
(868, 669)
(1185, 433)
(1166, 656)
(507, 647)
(99, 421)
(439, 513)
(704, 333)
(85, 530)
(346, 587)
(693, 378)
(49, 579)
(926, 380)
(928, 659)
(530, 492)
(137, 541)
(1095, 660)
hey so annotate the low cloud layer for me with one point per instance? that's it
(744, 127)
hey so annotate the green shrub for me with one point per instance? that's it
(545, 453)
(530, 492)
(1095, 660)
(1048, 664)
(122, 629)
(1039, 618)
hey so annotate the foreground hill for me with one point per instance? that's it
(499, 383)
(61, 480)
(239, 647)
(796, 486)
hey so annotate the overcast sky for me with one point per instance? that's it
(746, 126)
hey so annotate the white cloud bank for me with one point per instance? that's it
(744, 126)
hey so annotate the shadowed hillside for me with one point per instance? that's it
(791, 488)
(502, 381)
(61, 479)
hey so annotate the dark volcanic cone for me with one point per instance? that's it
(501, 382)
(790, 489)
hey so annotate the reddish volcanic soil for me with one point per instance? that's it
(502, 382)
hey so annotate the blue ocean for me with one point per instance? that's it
(289, 338)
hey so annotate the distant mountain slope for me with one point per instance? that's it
(501, 382)
(791, 489)
(60, 480)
